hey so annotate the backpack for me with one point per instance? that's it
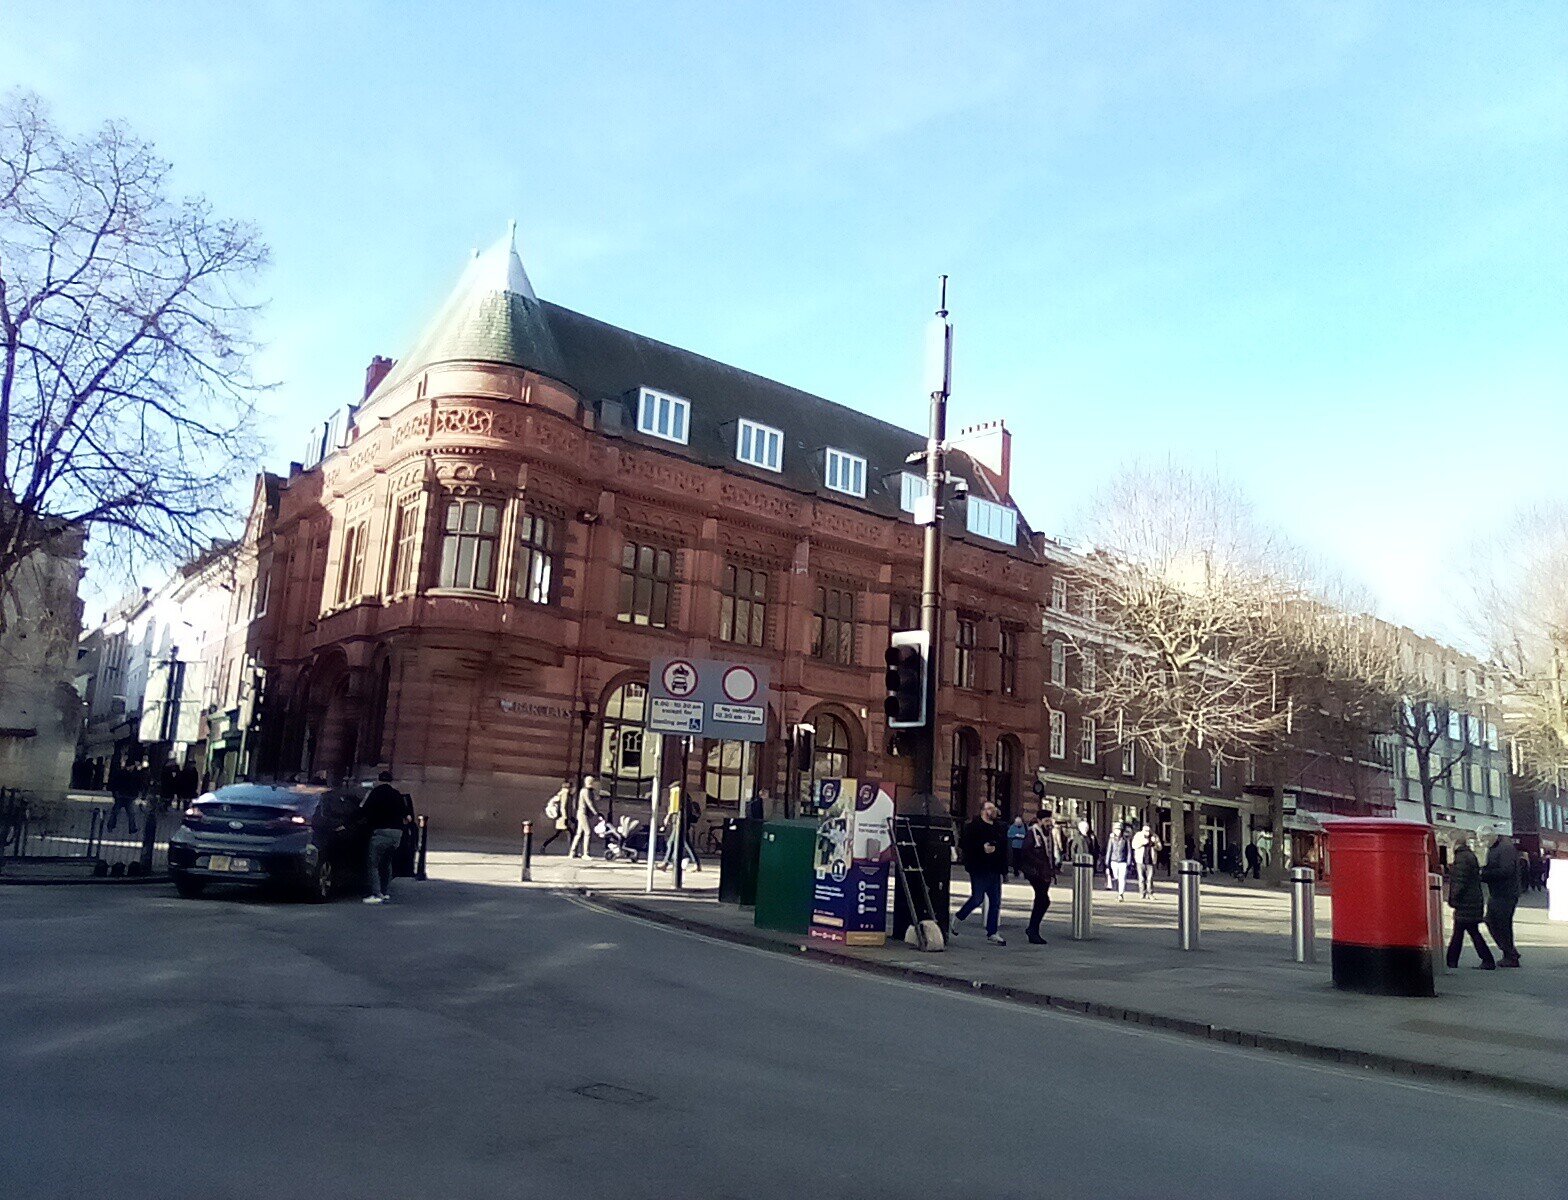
(552, 809)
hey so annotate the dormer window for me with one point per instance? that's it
(760, 446)
(912, 489)
(994, 521)
(663, 416)
(845, 473)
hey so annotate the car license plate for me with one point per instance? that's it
(218, 862)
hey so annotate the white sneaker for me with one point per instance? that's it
(374, 900)
(996, 939)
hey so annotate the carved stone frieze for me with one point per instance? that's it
(417, 425)
(663, 473)
(739, 495)
(852, 527)
(464, 420)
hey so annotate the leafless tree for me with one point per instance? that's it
(1520, 612)
(1388, 680)
(1186, 580)
(126, 398)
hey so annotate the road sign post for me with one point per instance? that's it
(700, 698)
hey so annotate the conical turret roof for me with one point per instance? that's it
(491, 316)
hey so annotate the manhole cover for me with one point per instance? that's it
(611, 1093)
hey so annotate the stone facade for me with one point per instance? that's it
(40, 708)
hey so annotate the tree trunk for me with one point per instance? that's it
(1274, 872)
(1178, 818)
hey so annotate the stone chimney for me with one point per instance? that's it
(990, 446)
(375, 373)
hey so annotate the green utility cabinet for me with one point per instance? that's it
(785, 884)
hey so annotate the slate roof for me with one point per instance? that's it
(492, 317)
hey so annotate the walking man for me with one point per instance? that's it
(1254, 860)
(674, 834)
(1037, 860)
(1083, 842)
(1501, 876)
(1467, 900)
(983, 846)
(1146, 853)
(1118, 857)
(125, 785)
(587, 818)
(385, 813)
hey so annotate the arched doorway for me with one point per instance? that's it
(627, 758)
(1004, 776)
(372, 744)
(966, 757)
(834, 752)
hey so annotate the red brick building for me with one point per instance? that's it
(468, 585)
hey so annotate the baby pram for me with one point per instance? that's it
(617, 839)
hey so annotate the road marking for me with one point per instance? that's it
(1333, 1070)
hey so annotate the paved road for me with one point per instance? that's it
(442, 1046)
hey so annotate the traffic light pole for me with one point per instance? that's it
(940, 377)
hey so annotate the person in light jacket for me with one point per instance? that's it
(1466, 898)
(557, 810)
(1118, 857)
(587, 818)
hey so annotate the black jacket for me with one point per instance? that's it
(1037, 858)
(384, 808)
(1501, 872)
(1464, 886)
(976, 837)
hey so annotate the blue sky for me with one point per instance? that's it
(1320, 247)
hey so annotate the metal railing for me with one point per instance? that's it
(80, 838)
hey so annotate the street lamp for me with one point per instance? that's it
(929, 511)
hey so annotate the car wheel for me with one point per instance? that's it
(189, 887)
(322, 882)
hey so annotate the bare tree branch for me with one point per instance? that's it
(126, 397)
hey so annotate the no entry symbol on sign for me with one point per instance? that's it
(680, 678)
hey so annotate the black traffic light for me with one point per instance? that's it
(906, 680)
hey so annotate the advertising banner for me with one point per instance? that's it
(851, 864)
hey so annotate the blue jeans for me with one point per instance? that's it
(383, 845)
(984, 886)
(691, 853)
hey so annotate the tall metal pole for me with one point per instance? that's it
(939, 377)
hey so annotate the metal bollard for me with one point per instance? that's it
(1303, 932)
(423, 824)
(1083, 897)
(1434, 916)
(1187, 923)
(528, 851)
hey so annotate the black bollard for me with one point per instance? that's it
(424, 845)
(528, 851)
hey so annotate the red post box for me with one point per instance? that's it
(1381, 941)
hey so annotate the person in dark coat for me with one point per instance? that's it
(1466, 898)
(1501, 876)
(1254, 860)
(1036, 860)
(385, 813)
(125, 785)
(983, 848)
